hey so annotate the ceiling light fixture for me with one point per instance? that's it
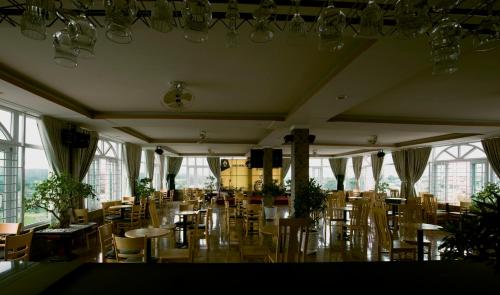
(176, 97)
(159, 150)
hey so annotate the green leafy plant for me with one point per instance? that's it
(210, 184)
(143, 188)
(272, 190)
(382, 187)
(477, 236)
(57, 194)
(310, 202)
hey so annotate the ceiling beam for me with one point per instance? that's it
(190, 116)
(135, 134)
(206, 141)
(14, 77)
(443, 137)
(345, 58)
(347, 145)
(352, 153)
(412, 121)
(213, 154)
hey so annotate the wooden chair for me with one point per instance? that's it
(130, 250)
(293, 233)
(397, 250)
(8, 229)
(17, 247)
(133, 222)
(106, 240)
(394, 193)
(108, 214)
(142, 212)
(358, 223)
(82, 217)
(412, 214)
(156, 223)
(128, 199)
(252, 218)
(179, 255)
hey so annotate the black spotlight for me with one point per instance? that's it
(311, 138)
(158, 150)
(380, 154)
(288, 138)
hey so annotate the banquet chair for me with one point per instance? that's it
(293, 234)
(106, 240)
(130, 250)
(17, 247)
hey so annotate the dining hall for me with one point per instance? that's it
(293, 141)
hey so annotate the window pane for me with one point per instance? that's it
(36, 169)
(6, 120)
(32, 134)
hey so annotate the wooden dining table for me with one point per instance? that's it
(421, 227)
(147, 233)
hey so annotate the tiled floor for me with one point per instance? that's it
(223, 249)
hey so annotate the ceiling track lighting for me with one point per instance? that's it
(159, 150)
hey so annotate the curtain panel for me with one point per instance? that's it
(214, 165)
(416, 162)
(491, 147)
(338, 166)
(133, 162)
(357, 164)
(287, 163)
(399, 159)
(150, 165)
(57, 153)
(377, 163)
(173, 167)
(162, 171)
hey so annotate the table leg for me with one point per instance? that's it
(148, 250)
(420, 245)
(184, 230)
(394, 209)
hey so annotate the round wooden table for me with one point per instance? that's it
(148, 233)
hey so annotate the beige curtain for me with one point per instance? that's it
(399, 159)
(214, 165)
(338, 166)
(287, 162)
(82, 158)
(491, 147)
(416, 162)
(133, 162)
(150, 164)
(357, 164)
(57, 153)
(162, 171)
(376, 168)
(173, 167)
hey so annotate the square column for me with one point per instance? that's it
(299, 165)
(268, 166)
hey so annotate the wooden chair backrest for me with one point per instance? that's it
(143, 204)
(135, 216)
(130, 248)
(155, 219)
(10, 228)
(81, 216)
(186, 207)
(360, 210)
(17, 247)
(292, 234)
(106, 238)
(128, 199)
(465, 206)
(384, 237)
(394, 193)
(411, 216)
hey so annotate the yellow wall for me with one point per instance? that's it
(237, 176)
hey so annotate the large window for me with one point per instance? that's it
(22, 165)
(320, 170)
(193, 173)
(458, 171)
(105, 173)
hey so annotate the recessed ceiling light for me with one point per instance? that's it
(341, 97)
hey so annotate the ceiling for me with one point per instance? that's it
(253, 95)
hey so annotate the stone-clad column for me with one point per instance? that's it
(268, 166)
(300, 164)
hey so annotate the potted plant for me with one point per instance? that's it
(311, 202)
(381, 187)
(58, 194)
(143, 189)
(476, 236)
(269, 192)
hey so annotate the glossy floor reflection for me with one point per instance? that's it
(223, 245)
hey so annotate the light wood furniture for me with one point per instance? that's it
(128, 199)
(130, 250)
(142, 212)
(82, 217)
(179, 255)
(17, 247)
(8, 229)
(106, 241)
(397, 250)
(133, 222)
(252, 218)
(293, 233)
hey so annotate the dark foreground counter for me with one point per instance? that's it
(390, 278)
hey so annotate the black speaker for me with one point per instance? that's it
(75, 139)
(257, 158)
(277, 158)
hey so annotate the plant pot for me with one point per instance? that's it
(270, 212)
(312, 242)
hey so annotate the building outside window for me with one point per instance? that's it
(105, 173)
(193, 173)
